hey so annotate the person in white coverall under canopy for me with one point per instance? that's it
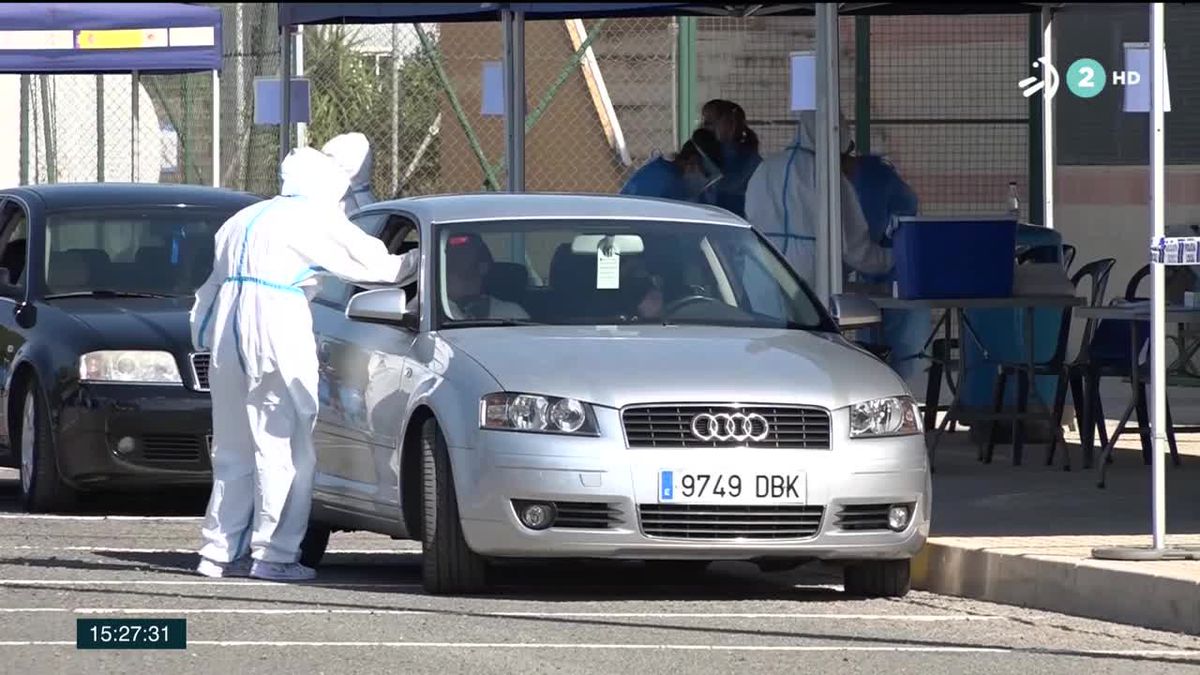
(353, 153)
(253, 316)
(781, 203)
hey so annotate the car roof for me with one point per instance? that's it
(542, 205)
(73, 195)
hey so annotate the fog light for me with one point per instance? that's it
(126, 445)
(536, 516)
(898, 518)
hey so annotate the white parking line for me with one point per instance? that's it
(45, 516)
(660, 647)
(189, 582)
(109, 549)
(140, 611)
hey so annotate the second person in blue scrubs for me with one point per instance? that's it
(739, 153)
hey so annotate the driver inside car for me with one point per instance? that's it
(467, 263)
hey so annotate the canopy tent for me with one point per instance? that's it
(115, 38)
(828, 283)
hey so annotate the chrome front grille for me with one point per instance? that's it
(200, 371)
(688, 521)
(670, 426)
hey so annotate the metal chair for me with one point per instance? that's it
(1056, 366)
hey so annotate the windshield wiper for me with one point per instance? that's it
(481, 323)
(106, 293)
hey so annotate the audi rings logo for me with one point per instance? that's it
(730, 427)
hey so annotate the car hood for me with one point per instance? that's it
(620, 366)
(132, 323)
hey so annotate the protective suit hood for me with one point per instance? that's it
(806, 131)
(353, 154)
(313, 174)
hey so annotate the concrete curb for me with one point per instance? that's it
(1086, 588)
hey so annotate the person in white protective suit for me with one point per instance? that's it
(781, 203)
(353, 153)
(253, 315)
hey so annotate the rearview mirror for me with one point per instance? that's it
(855, 311)
(587, 244)
(388, 305)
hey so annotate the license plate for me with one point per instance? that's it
(690, 487)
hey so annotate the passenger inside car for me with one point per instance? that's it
(468, 263)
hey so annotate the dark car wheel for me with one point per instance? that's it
(42, 489)
(878, 578)
(448, 564)
(312, 548)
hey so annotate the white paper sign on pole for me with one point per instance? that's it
(1137, 94)
(804, 81)
(492, 98)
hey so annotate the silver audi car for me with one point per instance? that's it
(578, 376)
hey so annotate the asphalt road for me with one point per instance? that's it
(366, 613)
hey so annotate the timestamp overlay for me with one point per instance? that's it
(114, 633)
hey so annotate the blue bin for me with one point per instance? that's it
(954, 257)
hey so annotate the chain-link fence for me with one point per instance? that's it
(603, 98)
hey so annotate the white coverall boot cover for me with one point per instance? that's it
(353, 154)
(781, 203)
(253, 315)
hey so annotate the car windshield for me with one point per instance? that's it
(611, 272)
(148, 250)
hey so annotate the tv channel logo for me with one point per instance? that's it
(1086, 78)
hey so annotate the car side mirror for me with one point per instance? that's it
(853, 311)
(386, 305)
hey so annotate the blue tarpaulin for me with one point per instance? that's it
(109, 37)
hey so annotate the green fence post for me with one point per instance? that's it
(686, 82)
(472, 139)
(862, 84)
(1035, 201)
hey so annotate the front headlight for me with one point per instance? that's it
(538, 414)
(896, 416)
(129, 366)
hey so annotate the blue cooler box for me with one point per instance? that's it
(954, 257)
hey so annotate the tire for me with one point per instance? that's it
(312, 548)
(448, 565)
(42, 489)
(878, 578)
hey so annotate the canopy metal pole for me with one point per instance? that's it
(216, 128)
(1158, 315)
(395, 105)
(1048, 124)
(1158, 378)
(829, 186)
(100, 142)
(514, 97)
(298, 55)
(285, 92)
(137, 128)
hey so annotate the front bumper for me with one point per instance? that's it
(170, 427)
(602, 471)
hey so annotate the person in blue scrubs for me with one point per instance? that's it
(686, 177)
(739, 153)
(883, 194)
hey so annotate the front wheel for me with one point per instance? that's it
(448, 565)
(878, 578)
(42, 488)
(312, 548)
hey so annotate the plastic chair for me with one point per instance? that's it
(1057, 365)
